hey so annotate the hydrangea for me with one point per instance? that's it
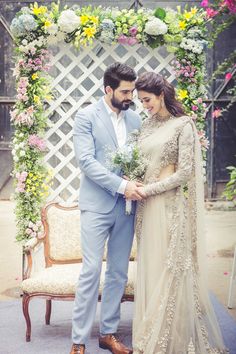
(155, 27)
(192, 45)
(106, 37)
(107, 25)
(171, 16)
(23, 24)
(68, 21)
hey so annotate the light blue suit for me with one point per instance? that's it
(102, 218)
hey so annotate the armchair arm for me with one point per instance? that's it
(28, 249)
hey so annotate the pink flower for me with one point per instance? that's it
(132, 41)
(28, 231)
(203, 140)
(133, 31)
(36, 141)
(20, 188)
(228, 76)
(204, 3)
(216, 113)
(231, 5)
(199, 100)
(194, 107)
(211, 12)
(24, 175)
(122, 39)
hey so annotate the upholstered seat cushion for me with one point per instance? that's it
(62, 279)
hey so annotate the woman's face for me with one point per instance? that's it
(150, 101)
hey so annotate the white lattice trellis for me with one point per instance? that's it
(77, 79)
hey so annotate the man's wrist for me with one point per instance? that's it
(122, 187)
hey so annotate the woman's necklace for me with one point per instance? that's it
(163, 118)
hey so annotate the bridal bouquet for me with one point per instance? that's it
(130, 161)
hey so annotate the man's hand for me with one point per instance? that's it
(133, 191)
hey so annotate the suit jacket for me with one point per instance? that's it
(93, 134)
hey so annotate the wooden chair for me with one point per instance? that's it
(63, 261)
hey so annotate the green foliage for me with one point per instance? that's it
(230, 189)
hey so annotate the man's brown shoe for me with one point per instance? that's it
(111, 342)
(78, 349)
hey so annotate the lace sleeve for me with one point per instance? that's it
(184, 168)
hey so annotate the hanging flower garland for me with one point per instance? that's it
(36, 27)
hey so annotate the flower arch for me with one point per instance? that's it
(35, 28)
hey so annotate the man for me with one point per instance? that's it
(105, 124)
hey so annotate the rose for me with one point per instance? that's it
(68, 21)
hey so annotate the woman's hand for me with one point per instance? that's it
(141, 190)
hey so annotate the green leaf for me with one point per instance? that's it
(160, 13)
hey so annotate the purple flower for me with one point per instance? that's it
(132, 41)
(122, 39)
(133, 31)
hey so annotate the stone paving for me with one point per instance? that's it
(220, 237)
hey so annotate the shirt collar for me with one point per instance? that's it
(111, 112)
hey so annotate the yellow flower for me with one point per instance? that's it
(188, 15)
(90, 32)
(47, 23)
(193, 10)
(94, 20)
(39, 10)
(35, 76)
(30, 174)
(36, 99)
(84, 19)
(182, 24)
(182, 94)
(48, 97)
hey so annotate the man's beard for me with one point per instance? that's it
(121, 105)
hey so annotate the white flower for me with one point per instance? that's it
(60, 36)
(13, 152)
(15, 158)
(52, 40)
(22, 153)
(68, 21)
(24, 42)
(155, 27)
(52, 29)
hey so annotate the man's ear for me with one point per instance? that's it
(108, 90)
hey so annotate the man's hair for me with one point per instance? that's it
(117, 72)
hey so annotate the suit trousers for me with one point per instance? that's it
(117, 229)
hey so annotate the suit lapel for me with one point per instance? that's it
(106, 120)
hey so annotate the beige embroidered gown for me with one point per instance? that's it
(173, 313)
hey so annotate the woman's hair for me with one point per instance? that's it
(157, 84)
(116, 73)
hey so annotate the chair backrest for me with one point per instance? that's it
(62, 242)
(62, 234)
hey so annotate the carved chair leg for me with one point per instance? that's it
(25, 306)
(48, 311)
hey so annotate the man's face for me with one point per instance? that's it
(121, 97)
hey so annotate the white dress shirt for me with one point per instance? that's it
(121, 133)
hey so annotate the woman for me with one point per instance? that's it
(173, 313)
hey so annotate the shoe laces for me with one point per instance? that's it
(77, 347)
(114, 338)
